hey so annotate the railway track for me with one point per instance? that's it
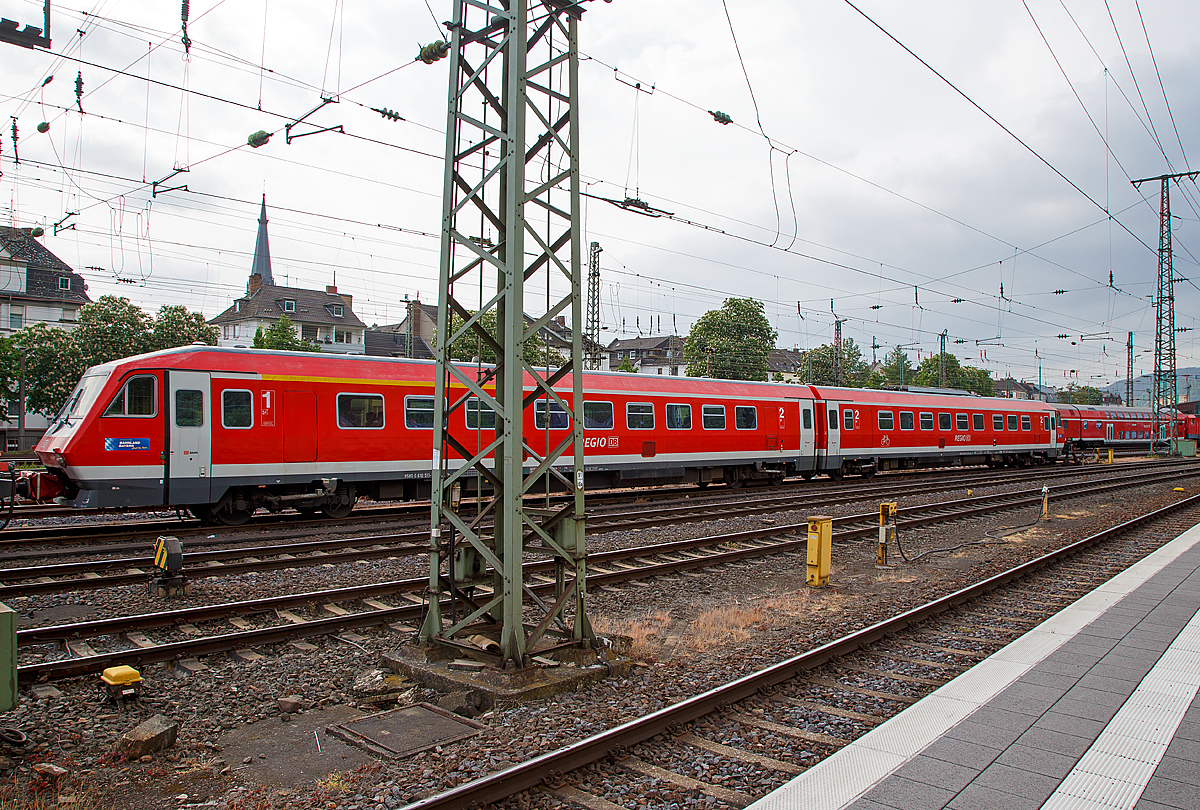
(735, 743)
(38, 538)
(608, 569)
(89, 575)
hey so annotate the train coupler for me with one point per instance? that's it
(168, 578)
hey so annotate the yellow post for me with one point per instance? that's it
(887, 529)
(820, 547)
(1046, 501)
(1110, 455)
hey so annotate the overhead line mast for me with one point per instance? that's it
(510, 242)
(1165, 396)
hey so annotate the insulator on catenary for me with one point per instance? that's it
(433, 51)
(259, 138)
(720, 117)
(43, 127)
(79, 90)
(386, 113)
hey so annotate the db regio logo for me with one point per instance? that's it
(599, 441)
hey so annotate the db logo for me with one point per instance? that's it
(885, 441)
(599, 441)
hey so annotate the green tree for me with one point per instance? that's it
(54, 362)
(966, 378)
(282, 335)
(176, 326)
(1080, 395)
(730, 343)
(626, 366)
(897, 367)
(111, 329)
(470, 347)
(855, 371)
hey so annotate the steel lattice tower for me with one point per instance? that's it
(593, 307)
(1165, 396)
(510, 264)
(1129, 371)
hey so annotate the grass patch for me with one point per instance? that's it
(647, 632)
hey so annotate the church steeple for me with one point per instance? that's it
(262, 255)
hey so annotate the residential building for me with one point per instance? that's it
(325, 318)
(35, 287)
(653, 355)
(1013, 389)
(786, 364)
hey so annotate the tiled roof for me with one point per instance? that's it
(311, 306)
(388, 341)
(43, 268)
(652, 343)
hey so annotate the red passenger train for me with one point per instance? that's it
(223, 432)
(1087, 427)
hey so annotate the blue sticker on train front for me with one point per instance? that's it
(126, 444)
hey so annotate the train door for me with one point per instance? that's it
(189, 429)
(1108, 432)
(806, 453)
(299, 426)
(833, 436)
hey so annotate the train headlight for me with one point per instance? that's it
(59, 461)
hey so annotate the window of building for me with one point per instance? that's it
(926, 421)
(997, 421)
(977, 421)
(13, 444)
(962, 421)
(479, 415)
(14, 408)
(1012, 421)
(1025, 422)
(64, 283)
(137, 397)
(943, 421)
(597, 416)
(745, 417)
(714, 417)
(639, 416)
(363, 411)
(189, 408)
(340, 336)
(885, 420)
(338, 311)
(906, 420)
(558, 417)
(289, 305)
(679, 417)
(16, 318)
(418, 412)
(848, 419)
(309, 331)
(237, 409)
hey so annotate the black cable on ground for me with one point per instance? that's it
(992, 539)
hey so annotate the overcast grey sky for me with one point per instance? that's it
(906, 198)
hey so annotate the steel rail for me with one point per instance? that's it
(496, 787)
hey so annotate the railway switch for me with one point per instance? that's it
(121, 683)
(887, 531)
(168, 578)
(820, 548)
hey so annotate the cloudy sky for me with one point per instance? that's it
(877, 184)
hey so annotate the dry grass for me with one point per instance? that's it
(732, 623)
(39, 794)
(648, 632)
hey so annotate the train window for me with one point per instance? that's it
(138, 397)
(745, 417)
(997, 421)
(807, 419)
(639, 416)
(943, 421)
(1012, 421)
(713, 417)
(679, 417)
(1025, 422)
(1085, 423)
(189, 408)
(848, 419)
(365, 411)
(1053, 422)
(558, 416)
(833, 422)
(237, 409)
(885, 420)
(906, 420)
(1045, 422)
(598, 415)
(480, 416)
(926, 421)
(418, 412)
(977, 421)
(962, 421)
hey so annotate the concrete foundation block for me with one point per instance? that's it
(155, 734)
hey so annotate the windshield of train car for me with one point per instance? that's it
(79, 401)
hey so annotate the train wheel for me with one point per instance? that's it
(868, 473)
(227, 514)
(342, 506)
(807, 475)
(837, 474)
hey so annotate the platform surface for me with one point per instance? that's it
(1094, 708)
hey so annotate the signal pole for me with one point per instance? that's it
(1129, 371)
(593, 307)
(942, 360)
(510, 250)
(1166, 391)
